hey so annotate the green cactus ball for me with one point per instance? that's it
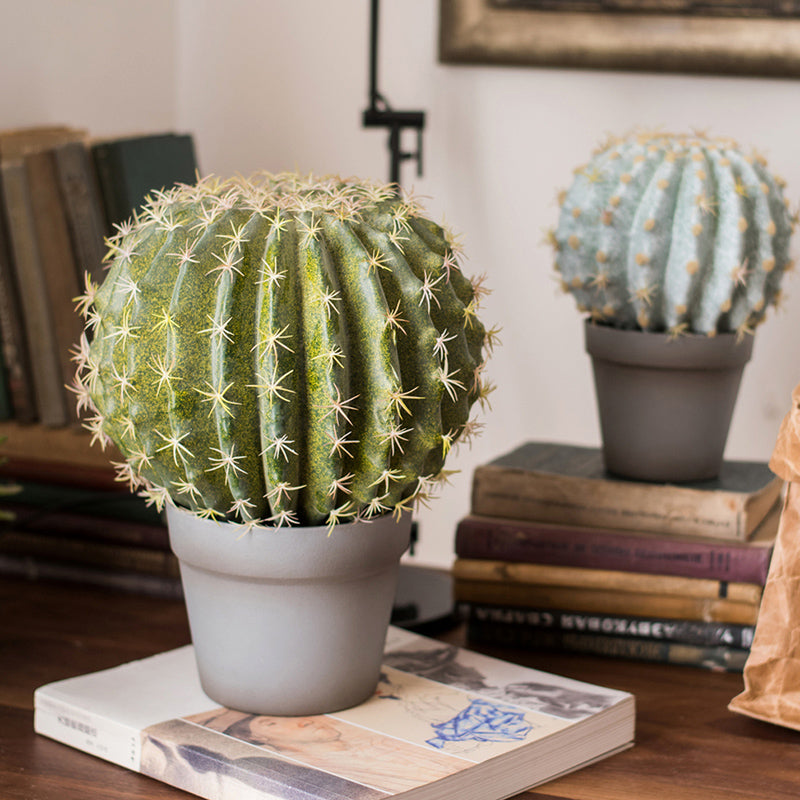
(283, 350)
(674, 233)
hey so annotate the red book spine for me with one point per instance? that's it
(596, 548)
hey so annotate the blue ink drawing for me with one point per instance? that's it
(482, 721)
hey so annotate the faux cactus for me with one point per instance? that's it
(283, 350)
(679, 234)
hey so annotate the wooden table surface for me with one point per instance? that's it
(688, 745)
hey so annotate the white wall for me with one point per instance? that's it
(273, 84)
(105, 65)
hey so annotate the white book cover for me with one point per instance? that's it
(443, 722)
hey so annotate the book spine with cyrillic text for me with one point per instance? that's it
(696, 632)
(715, 657)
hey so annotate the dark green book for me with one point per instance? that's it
(131, 168)
(568, 485)
(720, 657)
(50, 499)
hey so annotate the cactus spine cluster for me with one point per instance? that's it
(283, 350)
(677, 234)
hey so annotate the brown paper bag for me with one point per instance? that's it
(772, 671)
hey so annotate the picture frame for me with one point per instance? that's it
(508, 32)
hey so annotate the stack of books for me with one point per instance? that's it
(558, 554)
(61, 193)
(64, 515)
(91, 536)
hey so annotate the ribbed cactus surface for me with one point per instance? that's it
(680, 234)
(282, 350)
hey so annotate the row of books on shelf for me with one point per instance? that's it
(557, 554)
(87, 536)
(61, 194)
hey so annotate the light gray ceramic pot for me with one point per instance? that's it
(288, 621)
(665, 404)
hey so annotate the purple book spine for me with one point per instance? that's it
(602, 549)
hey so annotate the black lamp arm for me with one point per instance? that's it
(381, 115)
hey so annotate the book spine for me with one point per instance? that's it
(94, 527)
(50, 400)
(81, 196)
(16, 467)
(33, 569)
(513, 540)
(112, 193)
(6, 407)
(661, 508)
(58, 456)
(92, 733)
(611, 580)
(58, 264)
(602, 601)
(117, 503)
(656, 628)
(717, 657)
(90, 553)
(15, 363)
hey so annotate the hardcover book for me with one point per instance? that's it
(131, 168)
(84, 206)
(542, 575)
(569, 485)
(40, 334)
(719, 658)
(91, 553)
(51, 499)
(512, 619)
(59, 267)
(598, 600)
(526, 541)
(16, 369)
(35, 568)
(57, 456)
(32, 249)
(444, 721)
(6, 407)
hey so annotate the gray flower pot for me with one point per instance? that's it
(665, 404)
(288, 621)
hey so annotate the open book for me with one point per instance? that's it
(443, 722)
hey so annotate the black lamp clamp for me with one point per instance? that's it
(381, 115)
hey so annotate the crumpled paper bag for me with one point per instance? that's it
(772, 670)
